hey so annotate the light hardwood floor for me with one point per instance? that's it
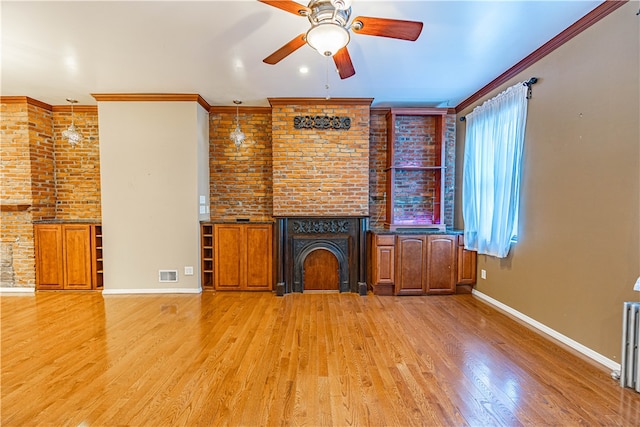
(255, 359)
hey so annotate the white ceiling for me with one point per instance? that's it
(57, 50)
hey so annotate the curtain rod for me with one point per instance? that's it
(528, 83)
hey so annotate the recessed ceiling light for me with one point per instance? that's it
(304, 70)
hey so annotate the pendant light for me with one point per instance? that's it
(72, 135)
(237, 136)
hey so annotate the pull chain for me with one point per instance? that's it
(326, 86)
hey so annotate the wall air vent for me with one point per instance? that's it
(168, 275)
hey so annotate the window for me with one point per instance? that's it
(491, 171)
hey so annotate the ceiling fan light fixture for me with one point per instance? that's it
(341, 4)
(327, 38)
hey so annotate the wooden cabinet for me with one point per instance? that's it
(467, 264)
(383, 264)
(441, 264)
(419, 264)
(67, 256)
(243, 257)
(415, 167)
(49, 256)
(411, 265)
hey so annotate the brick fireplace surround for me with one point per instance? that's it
(320, 190)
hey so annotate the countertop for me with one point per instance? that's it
(68, 221)
(416, 231)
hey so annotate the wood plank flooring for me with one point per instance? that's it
(255, 359)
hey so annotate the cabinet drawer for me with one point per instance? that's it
(385, 240)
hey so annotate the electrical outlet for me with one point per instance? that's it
(483, 274)
(188, 271)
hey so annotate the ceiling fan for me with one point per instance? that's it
(329, 32)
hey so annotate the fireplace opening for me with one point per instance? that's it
(320, 271)
(315, 262)
(320, 253)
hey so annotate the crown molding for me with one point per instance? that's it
(570, 32)
(76, 109)
(24, 100)
(151, 97)
(320, 101)
(220, 109)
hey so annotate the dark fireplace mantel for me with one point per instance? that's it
(344, 237)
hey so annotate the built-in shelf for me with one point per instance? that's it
(206, 255)
(97, 260)
(415, 165)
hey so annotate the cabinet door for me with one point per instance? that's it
(76, 244)
(259, 258)
(49, 264)
(467, 260)
(410, 271)
(229, 256)
(385, 260)
(441, 265)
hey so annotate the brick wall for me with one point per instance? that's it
(15, 170)
(320, 172)
(449, 147)
(414, 147)
(18, 244)
(77, 167)
(41, 179)
(279, 171)
(241, 179)
(377, 165)
(28, 184)
(41, 162)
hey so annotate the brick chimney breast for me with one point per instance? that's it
(320, 172)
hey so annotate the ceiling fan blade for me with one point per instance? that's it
(393, 28)
(289, 6)
(285, 50)
(343, 63)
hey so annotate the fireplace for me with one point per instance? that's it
(298, 237)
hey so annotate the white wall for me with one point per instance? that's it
(203, 164)
(151, 178)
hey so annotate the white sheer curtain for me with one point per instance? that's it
(491, 171)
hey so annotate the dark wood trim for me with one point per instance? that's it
(578, 27)
(385, 110)
(379, 110)
(223, 109)
(203, 103)
(425, 111)
(151, 97)
(320, 101)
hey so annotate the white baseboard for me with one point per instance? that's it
(605, 361)
(152, 291)
(17, 290)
